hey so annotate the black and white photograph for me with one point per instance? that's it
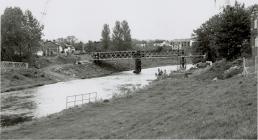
(128, 69)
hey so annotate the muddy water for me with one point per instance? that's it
(41, 101)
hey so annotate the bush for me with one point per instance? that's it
(222, 69)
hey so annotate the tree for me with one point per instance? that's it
(71, 40)
(105, 40)
(21, 34)
(225, 35)
(121, 36)
(33, 33)
(79, 46)
(12, 33)
(233, 31)
(205, 38)
(117, 36)
(126, 35)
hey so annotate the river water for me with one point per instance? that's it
(48, 99)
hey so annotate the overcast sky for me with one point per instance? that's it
(148, 19)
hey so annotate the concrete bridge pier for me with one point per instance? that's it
(183, 63)
(138, 63)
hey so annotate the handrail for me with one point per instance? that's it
(84, 98)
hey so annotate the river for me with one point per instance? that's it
(48, 99)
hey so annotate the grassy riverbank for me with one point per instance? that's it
(192, 107)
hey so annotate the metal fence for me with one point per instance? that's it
(80, 99)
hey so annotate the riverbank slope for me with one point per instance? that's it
(169, 108)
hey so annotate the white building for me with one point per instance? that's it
(179, 44)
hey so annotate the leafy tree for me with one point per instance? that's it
(12, 33)
(105, 40)
(121, 36)
(233, 31)
(205, 38)
(225, 35)
(79, 46)
(126, 35)
(21, 34)
(33, 33)
(89, 46)
(117, 39)
(92, 46)
(71, 40)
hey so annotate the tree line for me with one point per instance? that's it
(225, 35)
(121, 37)
(20, 35)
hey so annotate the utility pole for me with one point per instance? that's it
(0, 38)
(44, 12)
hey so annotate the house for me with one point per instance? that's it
(51, 48)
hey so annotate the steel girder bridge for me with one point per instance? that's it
(138, 55)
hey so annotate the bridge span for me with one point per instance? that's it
(138, 55)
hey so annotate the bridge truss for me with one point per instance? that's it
(138, 55)
(134, 54)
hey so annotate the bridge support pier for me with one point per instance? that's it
(138, 65)
(183, 63)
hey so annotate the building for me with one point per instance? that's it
(182, 44)
(69, 49)
(162, 44)
(254, 31)
(51, 48)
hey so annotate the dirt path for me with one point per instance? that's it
(57, 76)
(182, 108)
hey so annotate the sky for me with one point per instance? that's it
(148, 19)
